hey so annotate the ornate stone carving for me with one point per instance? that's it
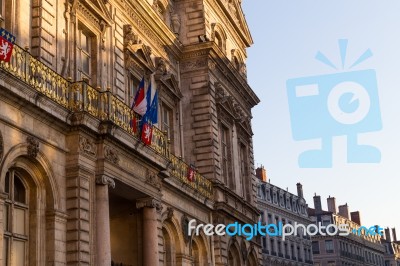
(105, 180)
(220, 94)
(148, 203)
(175, 23)
(142, 27)
(87, 146)
(161, 68)
(194, 64)
(153, 179)
(170, 212)
(1, 146)
(130, 37)
(111, 154)
(33, 146)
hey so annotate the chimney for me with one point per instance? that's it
(299, 190)
(394, 234)
(344, 211)
(317, 204)
(331, 204)
(387, 235)
(356, 217)
(261, 173)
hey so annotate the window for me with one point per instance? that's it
(167, 121)
(86, 62)
(331, 263)
(329, 246)
(315, 247)
(15, 242)
(225, 149)
(133, 84)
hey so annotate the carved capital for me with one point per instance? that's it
(105, 180)
(149, 203)
(33, 146)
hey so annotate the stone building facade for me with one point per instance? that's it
(77, 186)
(280, 206)
(392, 247)
(351, 250)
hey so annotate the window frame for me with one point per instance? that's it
(91, 52)
(330, 246)
(226, 157)
(10, 236)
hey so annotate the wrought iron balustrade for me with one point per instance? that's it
(81, 97)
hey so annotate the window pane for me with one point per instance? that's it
(85, 63)
(84, 42)
(7, 184)
(19, 221)
(19, 190)
(5, 217)
(5, 251)
(18, 253)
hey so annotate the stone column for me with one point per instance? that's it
(149, 208)
(103, 220)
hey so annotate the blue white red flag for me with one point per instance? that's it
(139, 103)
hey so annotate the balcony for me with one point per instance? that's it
(79, 97)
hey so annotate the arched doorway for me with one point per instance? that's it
(234, 258)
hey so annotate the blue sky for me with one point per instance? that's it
(287, 35)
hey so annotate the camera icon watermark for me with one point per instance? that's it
(324, 106)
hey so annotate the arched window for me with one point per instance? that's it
(16, 225)
(218, 35)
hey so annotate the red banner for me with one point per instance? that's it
(6, 45)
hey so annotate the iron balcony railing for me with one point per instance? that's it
(81, 97)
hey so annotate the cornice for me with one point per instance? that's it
(223, 12)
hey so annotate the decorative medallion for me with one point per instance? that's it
(111, 154)
(87, 146)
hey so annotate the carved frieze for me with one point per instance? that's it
(111, 154)
(87, 146)
(33, 146)
(192, 65)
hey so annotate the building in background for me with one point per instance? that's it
(280, 206)
(392, 248)
(78, 185)
(343, 250)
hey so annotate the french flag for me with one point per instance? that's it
(139, 104)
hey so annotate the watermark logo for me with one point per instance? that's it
(283, 230)
(344, 103)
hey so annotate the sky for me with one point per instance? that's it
(287, 37)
